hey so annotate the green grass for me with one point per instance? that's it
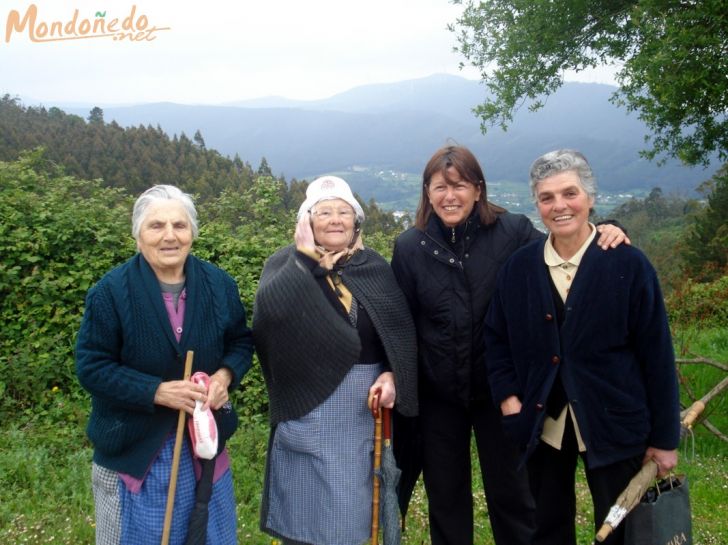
(698, 379)
(45, 463)
(45, 490)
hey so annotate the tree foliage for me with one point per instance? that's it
(656, 224)
(685, 238)
(57, 237)
(673, 56)
(706, 251)
(133, 158)
(138, 157)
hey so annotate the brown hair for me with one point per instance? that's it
(464, 162)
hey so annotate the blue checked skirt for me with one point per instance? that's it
(319, 477)
(126, 518)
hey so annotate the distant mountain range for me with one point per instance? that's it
(396, 127)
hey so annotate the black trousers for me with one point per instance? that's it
(446, 430)
(552, 476)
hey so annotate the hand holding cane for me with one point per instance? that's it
(175, 458)
(628, 499)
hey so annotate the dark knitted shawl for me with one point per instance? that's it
(306, 349)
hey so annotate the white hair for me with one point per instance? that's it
(562, 160)
(162, 193)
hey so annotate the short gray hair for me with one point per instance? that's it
(162, 193)
(562, 160)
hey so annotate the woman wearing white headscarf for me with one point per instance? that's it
(331, 327)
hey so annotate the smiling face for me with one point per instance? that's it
(333, 224)
(452, 199)
(564, 207)
(165, 239)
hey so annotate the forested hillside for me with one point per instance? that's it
(137, 157)
(130, 158)
(397, 126)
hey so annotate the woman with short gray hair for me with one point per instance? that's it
(140, 320)
(580, 358)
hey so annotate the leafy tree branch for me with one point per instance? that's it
(673, 56)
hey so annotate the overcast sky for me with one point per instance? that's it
(216, 51)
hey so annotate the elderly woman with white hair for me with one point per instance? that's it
(140, 320)
(580, 357)
(331, 327)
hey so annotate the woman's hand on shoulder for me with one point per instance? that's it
(611, 236)
(385, 384)
(179, 395)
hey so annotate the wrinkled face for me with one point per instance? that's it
(333, 224)
(564, 206)
(165, 237)
(452, 201)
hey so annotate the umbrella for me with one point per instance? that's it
(197, 527)
(389, 475)
(385, 505)
(175, 459)
(628, 499)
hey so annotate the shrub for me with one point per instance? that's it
(696, 304)
(58, 236)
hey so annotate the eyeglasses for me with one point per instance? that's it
(328, 213)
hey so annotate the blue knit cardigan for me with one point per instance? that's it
(126, 348)
(613, 352)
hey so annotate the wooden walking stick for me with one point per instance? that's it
(175, 458)
(377, 466)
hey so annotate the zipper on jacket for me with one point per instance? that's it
(452, 239)
(446, 249)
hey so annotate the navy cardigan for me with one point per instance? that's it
(613, 352)
(126, 348)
